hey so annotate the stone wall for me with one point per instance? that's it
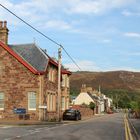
(85, 111)
(51, 87)
(15, 82)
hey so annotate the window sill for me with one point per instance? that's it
(32, 109)
(52, 111)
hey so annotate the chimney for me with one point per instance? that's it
(83, 88)
(3, 32)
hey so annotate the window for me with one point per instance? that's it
(54, 102)
(51, 102)
(67, 82)
(51, 75)
(1, 101)
(63, 103)
(31, 100)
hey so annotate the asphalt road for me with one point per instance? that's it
(108, 127)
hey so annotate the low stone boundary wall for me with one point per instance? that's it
(85, 111)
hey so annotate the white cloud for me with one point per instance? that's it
(57, 24)
(96, 6)
(130, 13)
(40, 13)
(123, 69)
(132, 34)
(84, 65)
(45, 13)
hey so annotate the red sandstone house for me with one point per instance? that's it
(28, 80)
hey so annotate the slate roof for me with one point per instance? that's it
(93, 97)
(32, 54)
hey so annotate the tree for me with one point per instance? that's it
(92, 106)
(134, 105)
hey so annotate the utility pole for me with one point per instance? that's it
(59, 85)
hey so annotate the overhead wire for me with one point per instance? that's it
(50, 39)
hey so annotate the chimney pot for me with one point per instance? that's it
(3, 32)
(1, 23)
(5, 24)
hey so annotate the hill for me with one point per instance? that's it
(122, 86)
(124, 80)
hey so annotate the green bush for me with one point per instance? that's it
(92, 105)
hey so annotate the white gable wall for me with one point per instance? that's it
(83, 98)
(102, 106)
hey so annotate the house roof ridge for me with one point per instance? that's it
(22, 44)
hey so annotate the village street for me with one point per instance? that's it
(107, 127)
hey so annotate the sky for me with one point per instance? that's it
(100, 35)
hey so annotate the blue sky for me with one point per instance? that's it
(101, 35)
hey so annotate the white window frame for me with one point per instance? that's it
(29, 94)
(1, 93)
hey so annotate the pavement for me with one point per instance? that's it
(135, 124)
(30, 122)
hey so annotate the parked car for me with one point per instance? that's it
(72, 114)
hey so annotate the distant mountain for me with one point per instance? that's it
(107, 80)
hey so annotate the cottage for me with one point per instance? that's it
(88, 94)
(28, 81)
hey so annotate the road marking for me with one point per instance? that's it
(128, 135)
(5, 127)
(18, 136)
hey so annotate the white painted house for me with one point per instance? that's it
(86, 98)
(88, 95)
(83, 98)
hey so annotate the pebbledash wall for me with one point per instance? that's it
(15, 82)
